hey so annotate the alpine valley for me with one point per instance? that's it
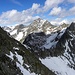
(37, 49)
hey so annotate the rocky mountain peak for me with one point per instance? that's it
(72, 27)
(19, 26)
(19, 32)
(38, 20)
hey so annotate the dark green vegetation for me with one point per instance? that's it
(9, 67)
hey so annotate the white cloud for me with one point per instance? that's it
(27, 16)
(16, 2)
(55, 11)
(59, 21)
(14, 16)
(29, 19)
(35, 6)
(71, 1)
(51, 3)
(72, 11)
(24, 17)
(62, 12)
(9, 14)
(58, 11)
(47, 6)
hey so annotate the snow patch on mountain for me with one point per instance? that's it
(66, 54)
(62, 32)
(19, 36)
(10, 56)
(23, 70)
(19, 63)
(59, 65)
(50, 41)
(19, 57)
(15, 48)
(13, 32)
(38, 22)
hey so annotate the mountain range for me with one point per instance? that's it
(37, 49)
(19, 32)
(56, 50)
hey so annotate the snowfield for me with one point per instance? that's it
(19, 36)
(59, 65)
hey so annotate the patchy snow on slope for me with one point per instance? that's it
(15, 48)
(23, 70)
(8, 30)
(42, 22)
(59, 65)
(13, 26)
(62, 32)
(48, 32)
(13, 32)
(10, 56)
(19, 36)
(20, 65)
(50, 42)
(66, 52)
(19, 57)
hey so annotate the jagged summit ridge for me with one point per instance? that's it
(38, 25)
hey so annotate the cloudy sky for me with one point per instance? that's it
(25, 11)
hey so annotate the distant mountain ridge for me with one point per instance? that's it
(19, 32)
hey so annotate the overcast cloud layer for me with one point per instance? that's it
(52, 7)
